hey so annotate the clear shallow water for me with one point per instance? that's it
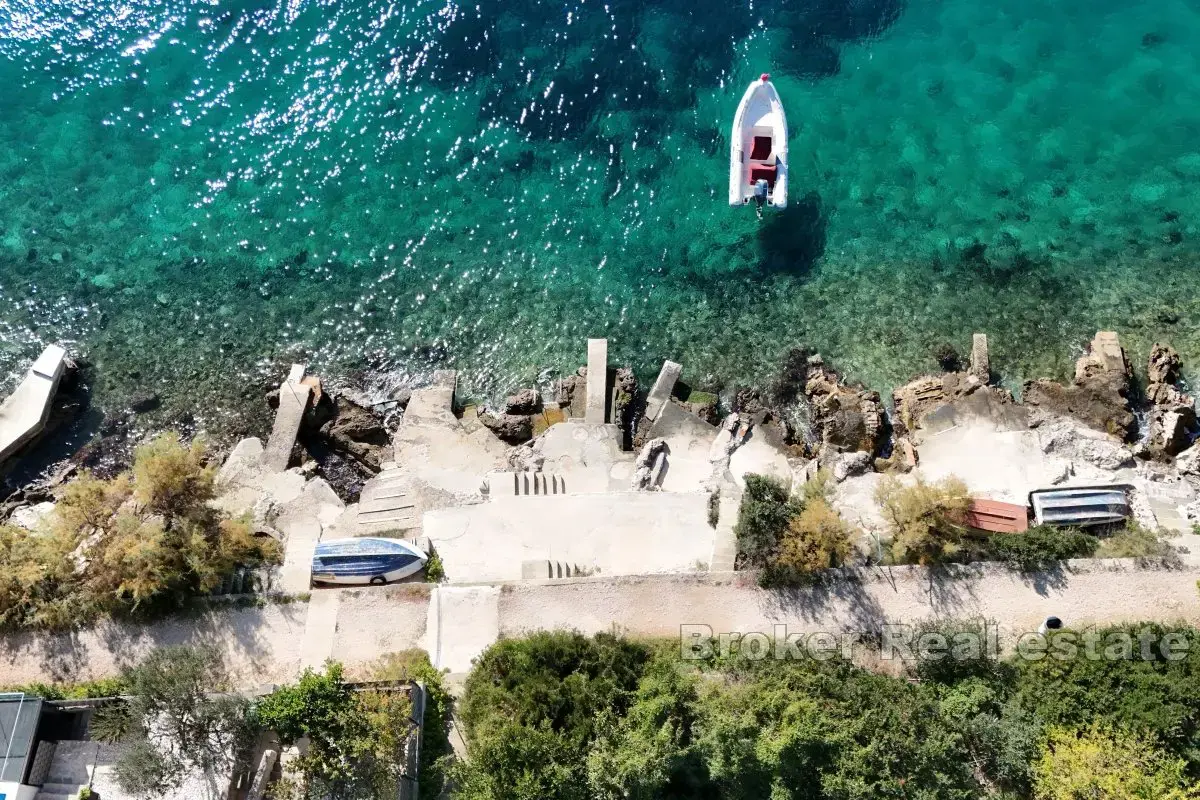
(194, 193)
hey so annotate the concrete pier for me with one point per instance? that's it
(660, 394)
(293, 402)
(23, 415)
(597, 382)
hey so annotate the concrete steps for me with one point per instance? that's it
(387, 503)
(59, 791)
(519, 484)
(543, 569)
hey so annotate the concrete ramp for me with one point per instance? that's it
(463, 621)
(23, 415)
(320, 629)
(293, 402)
(660, 394)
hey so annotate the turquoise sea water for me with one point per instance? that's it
(194, 193)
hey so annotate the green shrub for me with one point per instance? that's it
(816, 539)
(435, 572)
(356, 739)
(927, 520)
(1040, 547)
(1105, 762)
(1135, 541)
(763, 517)
(141, 542)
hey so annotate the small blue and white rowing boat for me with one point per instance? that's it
(366, 559)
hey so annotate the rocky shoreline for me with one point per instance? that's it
(809, 412)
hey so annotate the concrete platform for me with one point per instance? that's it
(23, 415)
(586, 457)
(625, 533)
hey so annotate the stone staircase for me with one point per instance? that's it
(542, 569)
(387, 503)
(59, 791)
(519, 484)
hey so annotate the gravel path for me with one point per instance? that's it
(265, 645)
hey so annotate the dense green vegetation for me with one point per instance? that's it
(790, 539)
(142, 542)
(563, 716)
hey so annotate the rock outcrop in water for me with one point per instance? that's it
(1172, 416)
(1099, 395)
(846, 418)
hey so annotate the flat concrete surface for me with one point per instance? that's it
(757, 456)
(587, 457)
(998, 464)
(596, 410)
(689, 443)
(462, 622)
(320, 629)
(23, 414)
(623, 533)
(293, 401)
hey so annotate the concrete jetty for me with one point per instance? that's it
(596, 410)
(293, 401)
(23, 415)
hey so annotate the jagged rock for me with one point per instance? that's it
(649, 465)
(846, 465)
(1172, 415)
(358, 433)
(1099, 396)
(847, 418)
(512, 428)
(1170, 428)
(526, 401)
(1164, 365)
(1188, 462)
(1070, 441)
(145, 401)
(29, 517)
(570, 389)
(525, 459)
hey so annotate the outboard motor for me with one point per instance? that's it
(761, 188)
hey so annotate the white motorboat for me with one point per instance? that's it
(758, 148)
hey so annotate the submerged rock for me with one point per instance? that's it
(512, 428)
(526, 401)
(357, 433)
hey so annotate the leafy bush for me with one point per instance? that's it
(176, 722)
(763, 517)
(1040, 547)
(533, 707)
(790, 540)
(139, 542)
(436, 751)
(435, 572)
(816, 539)
(926, 519)
(1109, 763)
(356, 739)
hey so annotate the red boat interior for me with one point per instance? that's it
(761, 151)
